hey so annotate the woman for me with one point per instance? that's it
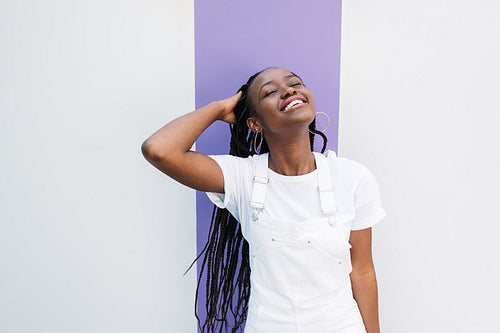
(305, 217)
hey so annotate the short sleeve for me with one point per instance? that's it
(235, 172)
(367, 203)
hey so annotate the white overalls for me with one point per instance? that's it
(299, 270)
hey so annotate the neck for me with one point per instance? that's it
(291, 158)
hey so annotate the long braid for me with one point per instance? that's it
(226, 254)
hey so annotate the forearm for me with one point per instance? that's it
(364, 288)
(168, 149)
(179, 135)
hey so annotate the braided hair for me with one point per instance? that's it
(226, 254)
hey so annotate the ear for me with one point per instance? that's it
(253, 124)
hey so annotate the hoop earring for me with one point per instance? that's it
(255, 141)
(327, 117)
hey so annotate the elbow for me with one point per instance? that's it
(151, 151)
(161, 154)
(363, 275)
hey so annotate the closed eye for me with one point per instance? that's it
(269, 93)
(296, 84)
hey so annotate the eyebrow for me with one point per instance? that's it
(269, 82)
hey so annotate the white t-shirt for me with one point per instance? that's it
(296, 198)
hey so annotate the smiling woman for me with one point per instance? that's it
(290, 238)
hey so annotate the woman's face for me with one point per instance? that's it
(281, 102)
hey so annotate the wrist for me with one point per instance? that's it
(219, 109)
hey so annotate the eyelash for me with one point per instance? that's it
(292, 85)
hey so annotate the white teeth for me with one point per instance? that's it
(293, 103)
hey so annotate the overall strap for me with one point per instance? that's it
(325, 188)
(260, 181)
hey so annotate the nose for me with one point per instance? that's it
(288, 91)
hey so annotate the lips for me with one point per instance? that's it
(292, 101)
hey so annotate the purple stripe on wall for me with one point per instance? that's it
(235, 39)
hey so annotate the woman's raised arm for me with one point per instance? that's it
(168, 149)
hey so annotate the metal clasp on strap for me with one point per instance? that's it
(327, 198)
(332, 220)
(255, 214)
(328, 205)
(261, 180)
(325, 188)
(256, 205)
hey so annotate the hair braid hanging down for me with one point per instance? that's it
(226, 255)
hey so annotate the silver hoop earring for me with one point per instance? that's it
(327, 117)
(255, 142)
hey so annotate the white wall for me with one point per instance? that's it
(420, 83)
(92, 237)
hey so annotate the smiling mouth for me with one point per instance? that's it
(292, 104)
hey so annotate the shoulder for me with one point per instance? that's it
(358, 179)
(238, 174)
(235, 166)
(234, 160)
(346, 167)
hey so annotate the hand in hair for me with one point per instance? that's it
(229, 103)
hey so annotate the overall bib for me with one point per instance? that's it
(299, 270)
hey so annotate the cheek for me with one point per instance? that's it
(311, 101)
(313, 106)
(267, 111)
